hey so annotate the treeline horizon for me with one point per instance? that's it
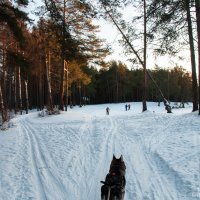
(32, 77)
(114, 83)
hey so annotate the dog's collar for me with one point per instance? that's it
(113, 174)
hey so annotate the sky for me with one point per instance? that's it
(109, 32)
(65, 156)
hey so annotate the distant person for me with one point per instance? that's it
(126, 107)
(129, 106)
(107, 111)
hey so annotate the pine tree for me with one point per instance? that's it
(197, 5)
(77, 35)
(168, 19)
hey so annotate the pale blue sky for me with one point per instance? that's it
(109, 32)
(112, 35)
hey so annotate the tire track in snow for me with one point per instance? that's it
(36, 171)
(188, 156)
(159, 186)
(23, 165)
(183, 190)
(46, 179)
(96, 141)
(147, 183)
(168, 178)
(123, 145)
(180, 126)
(163, 122)
(92, 159)
(166, 186)
(74, 143)
(103, 153)
(167, 123)
(78, 143)
(127, 145)
(156, 188)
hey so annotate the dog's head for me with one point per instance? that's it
(117, 164)
(117, 161)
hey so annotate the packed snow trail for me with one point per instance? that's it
(65, 157)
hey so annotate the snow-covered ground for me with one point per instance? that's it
(64, 157)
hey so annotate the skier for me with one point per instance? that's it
(107, 110)
(126, 106)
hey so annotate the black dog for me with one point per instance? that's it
(113, 187)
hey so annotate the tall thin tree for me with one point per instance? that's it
(167, 106)
(197, 4)
(192, 55)
(145, 59)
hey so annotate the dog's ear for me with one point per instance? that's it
(121, 158)
(114, 158)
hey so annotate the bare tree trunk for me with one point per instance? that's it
(67, 87)
(109, 92)
(26, 93)
(80, 95)
(117, 87)
(47, 67)
(3, 81)
(145, 58)
(167, 106)
(70, 97)
(40, 87)
(192, 52)
(41, 103)
(61, 95)
(73, 95)
(15, 90)
(20, 91)
(2, 108)
(84, 96)
(4, 73)
(198, 35)
(9, 104)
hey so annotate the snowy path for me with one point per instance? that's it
(65, 157)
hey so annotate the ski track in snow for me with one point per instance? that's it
(67, 161)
